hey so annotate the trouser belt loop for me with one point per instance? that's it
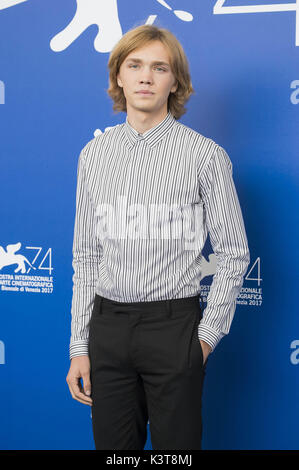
(168, 307)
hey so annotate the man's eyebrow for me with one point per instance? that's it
(155, 62)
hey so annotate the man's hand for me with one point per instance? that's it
(206, 349)
(80, 367)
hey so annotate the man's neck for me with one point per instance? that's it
(143, 122)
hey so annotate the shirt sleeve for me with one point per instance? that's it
(86, 257)
(229, 242)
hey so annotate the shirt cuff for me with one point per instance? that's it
(78, 348)
(209, 335)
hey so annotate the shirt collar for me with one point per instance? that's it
(153, 135)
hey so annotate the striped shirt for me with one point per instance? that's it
(175, 186)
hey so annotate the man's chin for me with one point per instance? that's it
(145, 107)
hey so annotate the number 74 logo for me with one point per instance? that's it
(220, 9)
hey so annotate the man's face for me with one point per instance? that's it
(147, 68)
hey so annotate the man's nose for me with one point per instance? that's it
(146, 76)
(145, 80)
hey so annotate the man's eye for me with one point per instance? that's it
(157, 67)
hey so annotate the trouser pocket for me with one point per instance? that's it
(195, 352)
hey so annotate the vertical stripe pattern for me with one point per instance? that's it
(145, 204)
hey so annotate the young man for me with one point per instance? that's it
(140, 339)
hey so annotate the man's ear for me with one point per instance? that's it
(174, 87)
(119, 82)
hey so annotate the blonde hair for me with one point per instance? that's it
(138, 37)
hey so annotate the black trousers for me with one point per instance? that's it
(146, 364)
